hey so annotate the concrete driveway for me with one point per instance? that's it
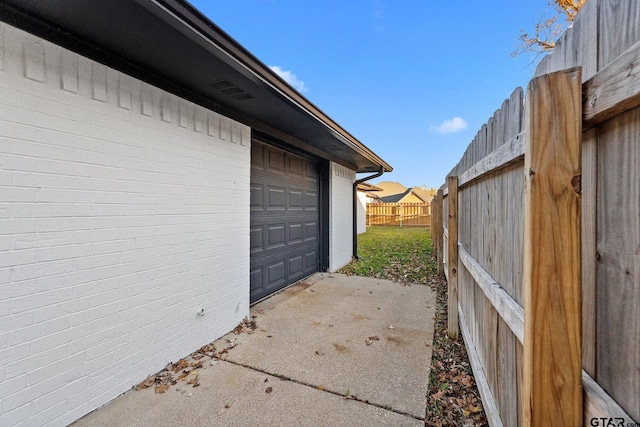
(333, 350)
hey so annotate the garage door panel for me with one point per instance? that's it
(296, 234)
(257, 196)
(310, 261)
(311, 200)
(276, 160)
(310, 230)
(256, 275)
(275, 198)
(296, 166)
(284, 219)
(311, 173)
(276, 238)
(275, 274)
(296, 197)
(295, 265)
(257, 155)
(256, 239)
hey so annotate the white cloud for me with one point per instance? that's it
(290, 78)
(450, 126)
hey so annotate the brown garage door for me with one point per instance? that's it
(284, 219)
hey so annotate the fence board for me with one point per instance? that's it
(515, 210)
(488, 402)
(552, 344)
(507, 374)
(488, 343)
(589, 259)
(618, 266)
(506, 306)
(439, 232)
(619, 28)
(452, 228)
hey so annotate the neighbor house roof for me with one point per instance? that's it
(416, 191)
(395, 198)
(390, 188)
(421, 194)
(170, 44)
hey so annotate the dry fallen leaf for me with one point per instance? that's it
(161, 388)
(227, 406)
(371, 339)
(193, 380)
(269, 389)
(147, 382)
(439, 395)
(182, 363)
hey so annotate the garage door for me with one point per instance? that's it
(284, 219)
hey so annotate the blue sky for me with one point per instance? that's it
(414, 80)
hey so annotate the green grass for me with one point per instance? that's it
(397, 253)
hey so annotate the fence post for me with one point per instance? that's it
(434, 232)
(452, 250)
(439, 231)
(552, 382)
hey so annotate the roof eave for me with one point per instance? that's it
(203, 25)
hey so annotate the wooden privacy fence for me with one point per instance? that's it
(402, 214)
(538, 232)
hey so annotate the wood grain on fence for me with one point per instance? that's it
(552, 367)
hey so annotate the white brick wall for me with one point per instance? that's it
(341, 181)
(123, 211)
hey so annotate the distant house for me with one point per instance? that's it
(156, 179)
(411, 195)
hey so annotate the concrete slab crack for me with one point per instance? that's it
(345, 396)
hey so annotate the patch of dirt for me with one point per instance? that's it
(340, 348)
(360, 317)
(395, 340)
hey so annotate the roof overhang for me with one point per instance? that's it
(170, 44)
(364, 186)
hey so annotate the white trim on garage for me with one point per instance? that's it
(341, 181)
